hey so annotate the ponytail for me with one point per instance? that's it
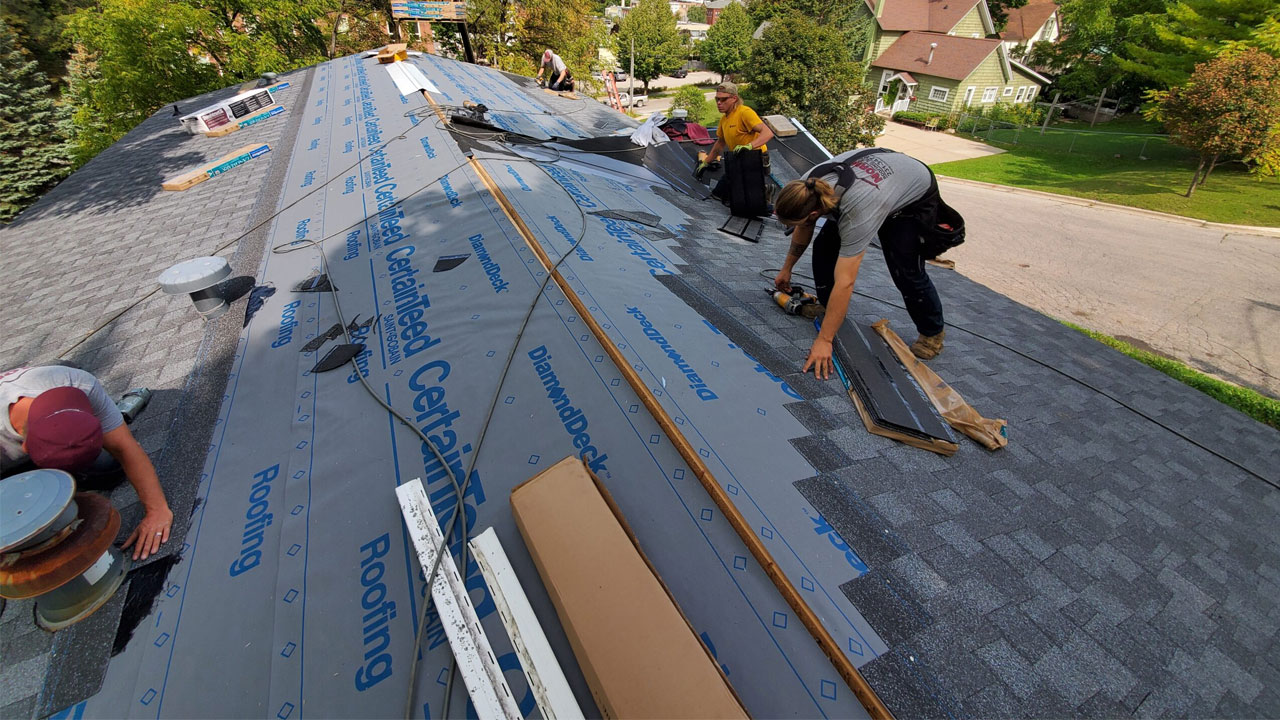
(799, 198)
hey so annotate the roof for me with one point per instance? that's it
(1118, 557)
(930, 15)
(1024, 22)
(721, 4)
(955, 58)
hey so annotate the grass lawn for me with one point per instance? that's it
(1254, 404)
(1091, 170)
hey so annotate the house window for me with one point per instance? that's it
(989, 95)
(1008, 91)
(884, 81)
(968, 96)
(1031, 92)
(938, 93)
(1022, 95)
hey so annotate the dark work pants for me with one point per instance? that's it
(102, 476)
(900, 242)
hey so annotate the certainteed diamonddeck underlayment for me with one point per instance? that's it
(298, 591)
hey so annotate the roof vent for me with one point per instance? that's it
(200, 278)
(932, 46)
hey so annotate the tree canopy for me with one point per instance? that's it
(659, 49)
(802, 68)
(1229, 108)
(728, 43)
(513, 35)
(1192, 32)
(1084, 57)
(33, 148)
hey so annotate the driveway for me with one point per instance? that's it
(1207, 296)
(931, 146)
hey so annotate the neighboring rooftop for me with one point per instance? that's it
(1119, 557)
(1024, 22)
(938, 16)
(954, 57)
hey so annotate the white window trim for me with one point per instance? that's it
(935, 91)
(989, 94)
(1008, 91)
(884, 80)
(1022, 95)
(1032, 91)
(968, 95)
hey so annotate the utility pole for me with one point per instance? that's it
(631, 95)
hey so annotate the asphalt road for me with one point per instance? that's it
(1208, 296)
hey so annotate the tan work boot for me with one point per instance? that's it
(927, 347)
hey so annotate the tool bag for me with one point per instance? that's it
(743, 183)
(941, 226)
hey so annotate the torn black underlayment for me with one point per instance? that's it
(257, 296)
(338, 356)
(318, 283)
(299, 587)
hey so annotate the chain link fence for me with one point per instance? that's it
(1096, 143)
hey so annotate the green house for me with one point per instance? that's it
(942, 56)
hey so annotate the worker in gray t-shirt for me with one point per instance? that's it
(559, 78)
(61, 418)
(883, 191)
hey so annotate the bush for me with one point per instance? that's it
(1013, 114)
(911, 116)
(691, 98)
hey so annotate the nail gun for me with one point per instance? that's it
(797, 302)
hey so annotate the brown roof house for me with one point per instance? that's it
(1035, 22)
(942, 56)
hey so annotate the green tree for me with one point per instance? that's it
(728, 43)
(513, 35)
(135, 56)
(1192, 32)
(39, 32)
(697, 14)
(693, 99)
(851, 18)
(1230, 107)
(801, 68)
(659, 49)
(1083, 59)
(33, 151)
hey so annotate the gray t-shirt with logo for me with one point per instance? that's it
(883, 183)
(30, 382)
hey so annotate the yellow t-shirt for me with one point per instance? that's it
(735, 127)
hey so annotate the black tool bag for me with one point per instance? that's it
(743, 183)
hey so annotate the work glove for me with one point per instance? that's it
(704, 166)
(740, 148)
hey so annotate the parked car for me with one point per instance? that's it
(682, 72)
(619, 76)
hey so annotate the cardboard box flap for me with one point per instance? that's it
(636, 649)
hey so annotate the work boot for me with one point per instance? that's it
(927, 347)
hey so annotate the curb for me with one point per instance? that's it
(1086, 202)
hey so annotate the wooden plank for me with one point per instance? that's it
(233, 159)
(394, 52)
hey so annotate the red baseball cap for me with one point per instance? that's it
(62, 431)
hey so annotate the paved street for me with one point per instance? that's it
(1203, 295)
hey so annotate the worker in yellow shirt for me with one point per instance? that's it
(740, 128)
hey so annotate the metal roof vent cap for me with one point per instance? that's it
(267, 78)
(199, 277)
(680, 113)
(57, 547)
(932, 46)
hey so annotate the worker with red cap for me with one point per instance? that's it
(61, 418)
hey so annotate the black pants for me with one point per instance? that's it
(900, 242)
(558, 86)
(102, 476)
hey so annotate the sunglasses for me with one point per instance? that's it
(724, 99)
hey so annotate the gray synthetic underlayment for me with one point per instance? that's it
(298, 589)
